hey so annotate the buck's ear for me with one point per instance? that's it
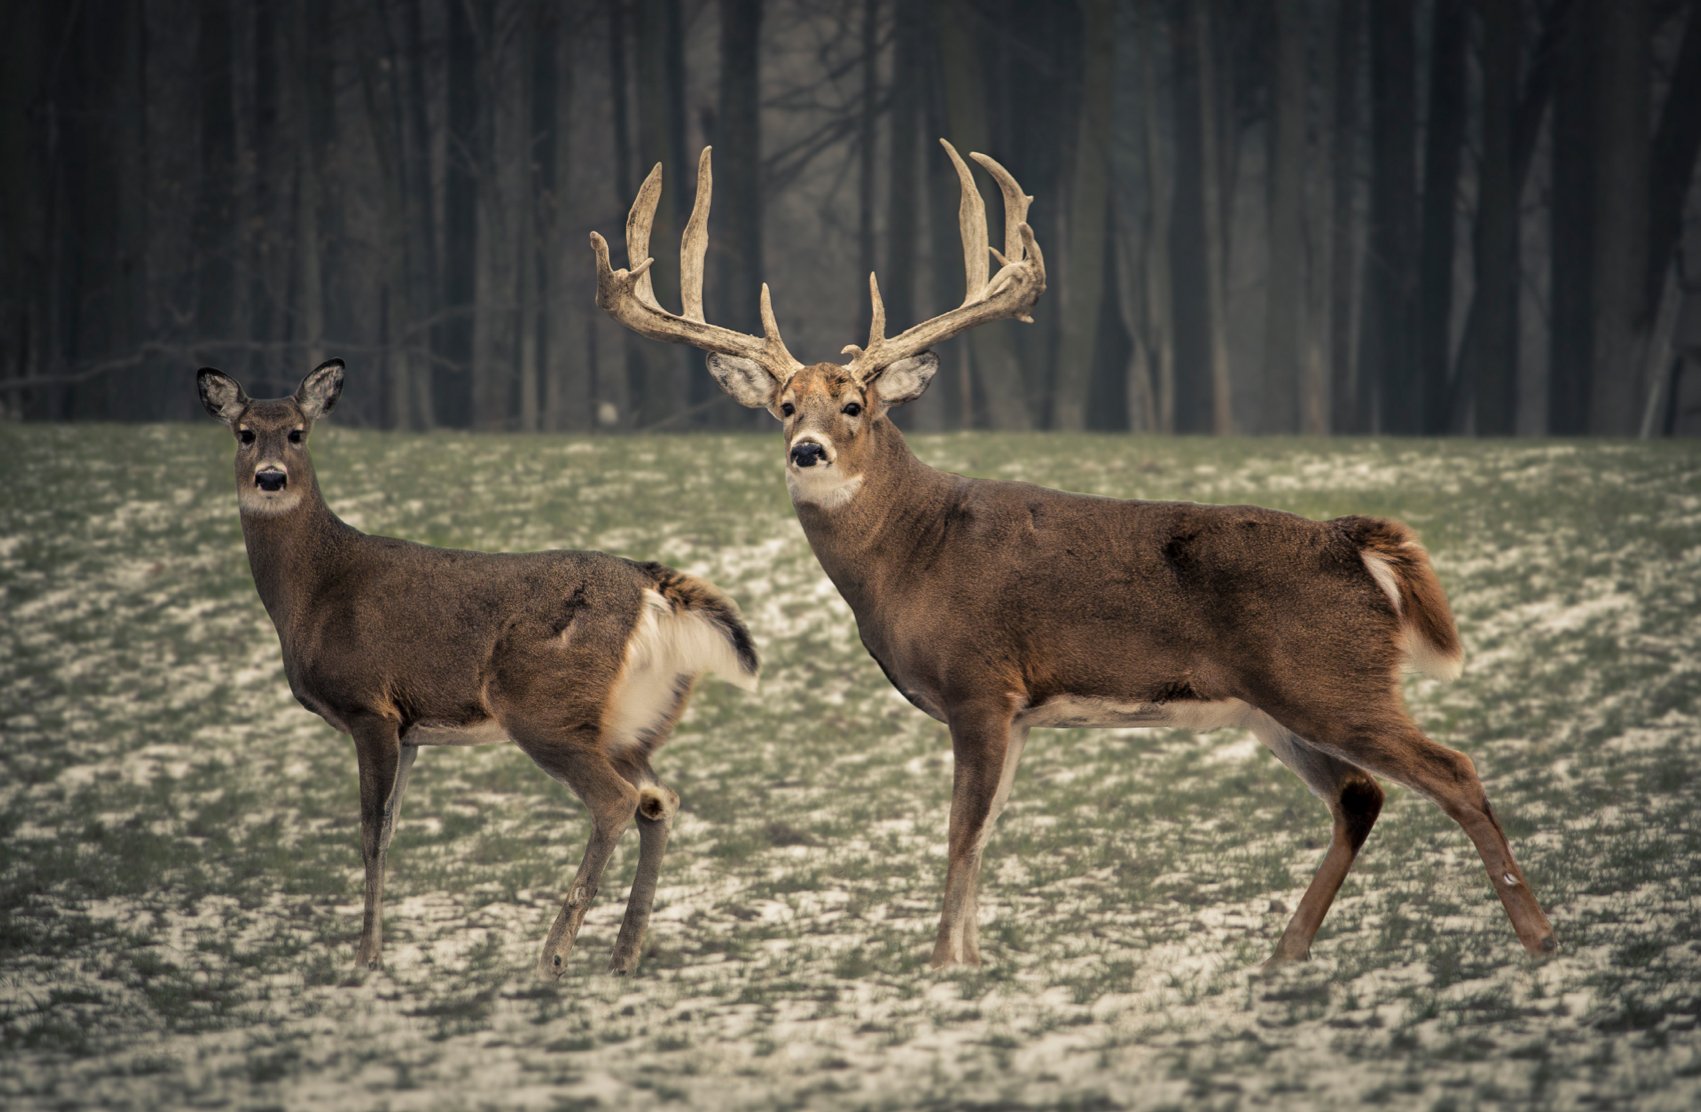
(746, 380)
(221, 395)
(318, 392)
(905, 380)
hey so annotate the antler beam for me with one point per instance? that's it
(1009, 293)
(628, 295)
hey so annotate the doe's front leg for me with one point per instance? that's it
(378, 750)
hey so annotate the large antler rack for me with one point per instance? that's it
(628, 294)
(1009, 293)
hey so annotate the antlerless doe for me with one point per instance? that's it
(583, 660)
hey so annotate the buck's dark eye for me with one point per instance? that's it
(788, 409)
(295, 436)
(246, 436)
(852, 409)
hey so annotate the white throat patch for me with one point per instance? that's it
(251, 500)
(826, 487)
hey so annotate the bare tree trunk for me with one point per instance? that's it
(1285, 325)
(1000, 380)
(1676, 145)
(532, 54)
(1621, 155)
(1346, 405)
(1443, 141)
(1388, 340)
(905, 195)
(1088, 220)
(1194, 253)
(28, 167)
(867, 118)
(1572, 226)
(1142, 230)
(173, 157)
(423, 276)
(660, 139)
(568, 399)
(1531, 108)
(617, 358)
(215, 231)
(386, 121)
(1491, 364)
(468, 138)
(502, 178)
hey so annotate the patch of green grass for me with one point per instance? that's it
(180, 886)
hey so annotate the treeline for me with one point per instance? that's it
(1269, 216)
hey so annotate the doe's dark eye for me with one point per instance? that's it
(295, 436)
(788, 409)
(246, 436)
(852, 409)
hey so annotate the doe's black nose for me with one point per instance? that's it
(270, 479)
(808, 454)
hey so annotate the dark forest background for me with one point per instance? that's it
(1265, 216)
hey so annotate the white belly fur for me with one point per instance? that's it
(487, 732)
(1078, 711)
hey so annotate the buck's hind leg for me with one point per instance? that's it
(1354, 800)
(1397, 749)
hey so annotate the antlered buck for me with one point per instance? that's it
(583, 660)
(997, 607)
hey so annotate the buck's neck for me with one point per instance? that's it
(864, 544)
(292, 552)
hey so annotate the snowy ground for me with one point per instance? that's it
(180, 866)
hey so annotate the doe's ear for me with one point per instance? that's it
(746, 380)
(221, 395)
(318, 392)
(905, 380)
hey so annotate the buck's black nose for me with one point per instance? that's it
(270, 479)
(808, 454)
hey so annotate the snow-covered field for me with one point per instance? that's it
(179, 848)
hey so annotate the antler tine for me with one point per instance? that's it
(639, 221)
(1010, 293)
(771, 330)
(971, 223)
(694, 244)
(877, 321)
(876, 326)
(1015, 206)
(628, 294)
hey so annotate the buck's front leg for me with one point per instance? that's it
(378, 748)
(985, 749)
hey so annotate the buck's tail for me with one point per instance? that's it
(1401, 567)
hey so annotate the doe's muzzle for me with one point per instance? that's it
(808, 453)
(271, 478)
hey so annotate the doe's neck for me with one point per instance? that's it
(292, 550)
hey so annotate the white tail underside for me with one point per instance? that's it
(1419, 652)
(667, 649)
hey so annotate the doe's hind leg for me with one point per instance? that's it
(657, 806)
(577, 761)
